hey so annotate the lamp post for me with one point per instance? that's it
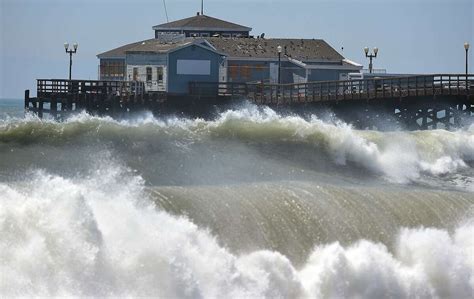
(371, 56)
(70, 52)
(466, 47)
(279, 49)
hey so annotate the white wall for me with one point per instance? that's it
(154, 85)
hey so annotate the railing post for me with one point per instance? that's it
(298, 88)
(367, 88)
(329, 90)
(449, 83)
(457, 79)
(27, 99)
(383, 88)
(424, 86)
(416, 86)
(400, 87)
(391, 88)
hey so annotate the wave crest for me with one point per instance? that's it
(399, 156)
(97, 236)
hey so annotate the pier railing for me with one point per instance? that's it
(365, 89)
(47, 87)
(212, 89)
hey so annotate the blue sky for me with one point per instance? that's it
(414, 36)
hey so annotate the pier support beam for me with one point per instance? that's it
(27, 100)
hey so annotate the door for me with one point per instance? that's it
(160, 78)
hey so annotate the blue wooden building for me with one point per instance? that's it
(163, 65)
(206, 49)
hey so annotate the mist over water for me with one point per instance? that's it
(252, 204)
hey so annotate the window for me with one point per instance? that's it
(135, 74)
(205, 35)
(246, 72)
(159, 71)
(112, 69)
(149, 75)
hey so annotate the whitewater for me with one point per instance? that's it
(251, 204)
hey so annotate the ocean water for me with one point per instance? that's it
(252, 204)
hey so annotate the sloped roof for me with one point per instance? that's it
(300, 49)
(158, 46)
(120, 51)
(153, 46)
(201, 22)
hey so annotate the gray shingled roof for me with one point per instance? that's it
(300, 49)
(158, 46)
(150, 46)
(120, 51)
(201, 22)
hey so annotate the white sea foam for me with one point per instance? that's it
(398, 156)
(99, 236)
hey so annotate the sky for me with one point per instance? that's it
(413, 36)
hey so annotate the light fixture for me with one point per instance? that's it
(371, 56)
(279, 49)
(466, 46)
(70, 52)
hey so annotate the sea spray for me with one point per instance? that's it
(100, 236)
(251, 204)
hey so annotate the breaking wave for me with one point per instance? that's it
(100, 235)
(400, 157)
(252, 204)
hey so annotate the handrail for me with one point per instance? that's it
(59, 86)
(368, 88)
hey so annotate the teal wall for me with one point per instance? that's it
(326, 75)
(178, 83)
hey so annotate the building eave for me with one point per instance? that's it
(190, 28)
(332, 67)
(198, 44)
(99, 56)
(237, 58)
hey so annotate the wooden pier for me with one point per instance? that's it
(60, 97)
(416, 102)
